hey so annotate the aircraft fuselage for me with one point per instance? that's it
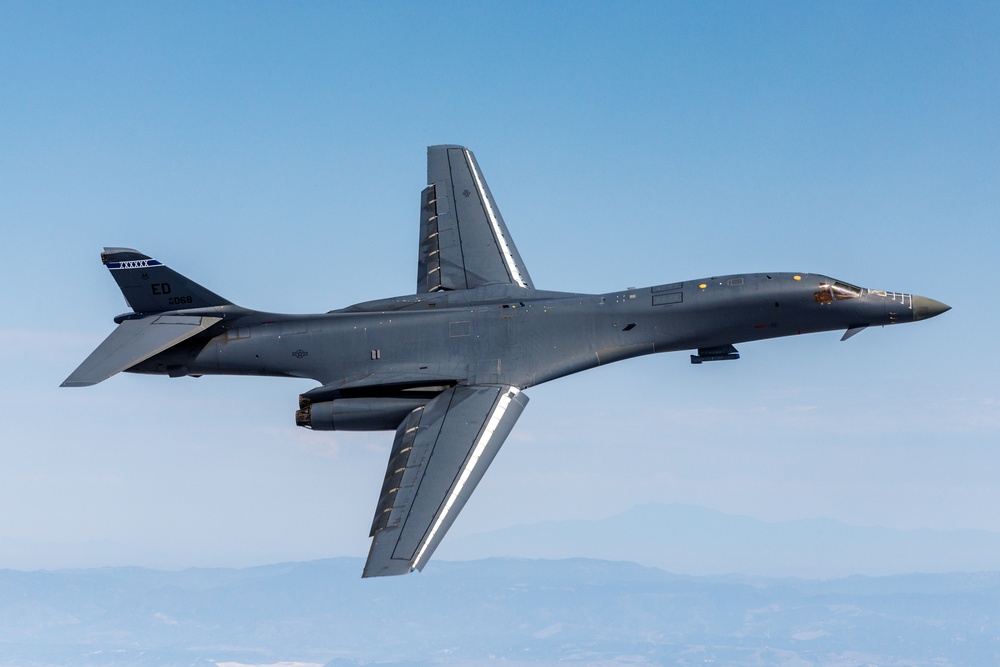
(509, 336)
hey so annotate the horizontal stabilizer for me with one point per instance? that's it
(135, 341)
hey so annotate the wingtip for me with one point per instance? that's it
(369, 573)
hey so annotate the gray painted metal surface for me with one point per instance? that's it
(446, 367)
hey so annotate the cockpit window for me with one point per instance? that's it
(843, 291)
(838, 290)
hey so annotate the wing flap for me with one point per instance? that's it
(440, 453)
(135, 341)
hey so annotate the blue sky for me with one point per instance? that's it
(275, 153)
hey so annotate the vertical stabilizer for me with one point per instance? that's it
(151, 287)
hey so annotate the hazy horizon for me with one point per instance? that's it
(676, 538)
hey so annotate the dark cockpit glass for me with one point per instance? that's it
(838, 290)
(843, 291)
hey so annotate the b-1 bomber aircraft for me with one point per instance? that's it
(447, 367)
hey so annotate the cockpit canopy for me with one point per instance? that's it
(837, 291)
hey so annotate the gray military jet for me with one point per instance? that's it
(446, 367)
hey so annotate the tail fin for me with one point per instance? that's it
(151, 287)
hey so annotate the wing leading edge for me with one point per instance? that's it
(439, 454)
(464, 242)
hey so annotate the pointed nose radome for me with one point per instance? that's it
(924, 308)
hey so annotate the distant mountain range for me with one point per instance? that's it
(495, 611)
(677, 538)
(699, 541)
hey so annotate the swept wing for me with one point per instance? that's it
(439, 454)
(464, 242)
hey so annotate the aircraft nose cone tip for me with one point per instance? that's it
(924, 308)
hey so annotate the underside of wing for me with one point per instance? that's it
(439, 454)
(464, 242)
(135, 341)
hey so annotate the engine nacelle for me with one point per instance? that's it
(356, 414)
